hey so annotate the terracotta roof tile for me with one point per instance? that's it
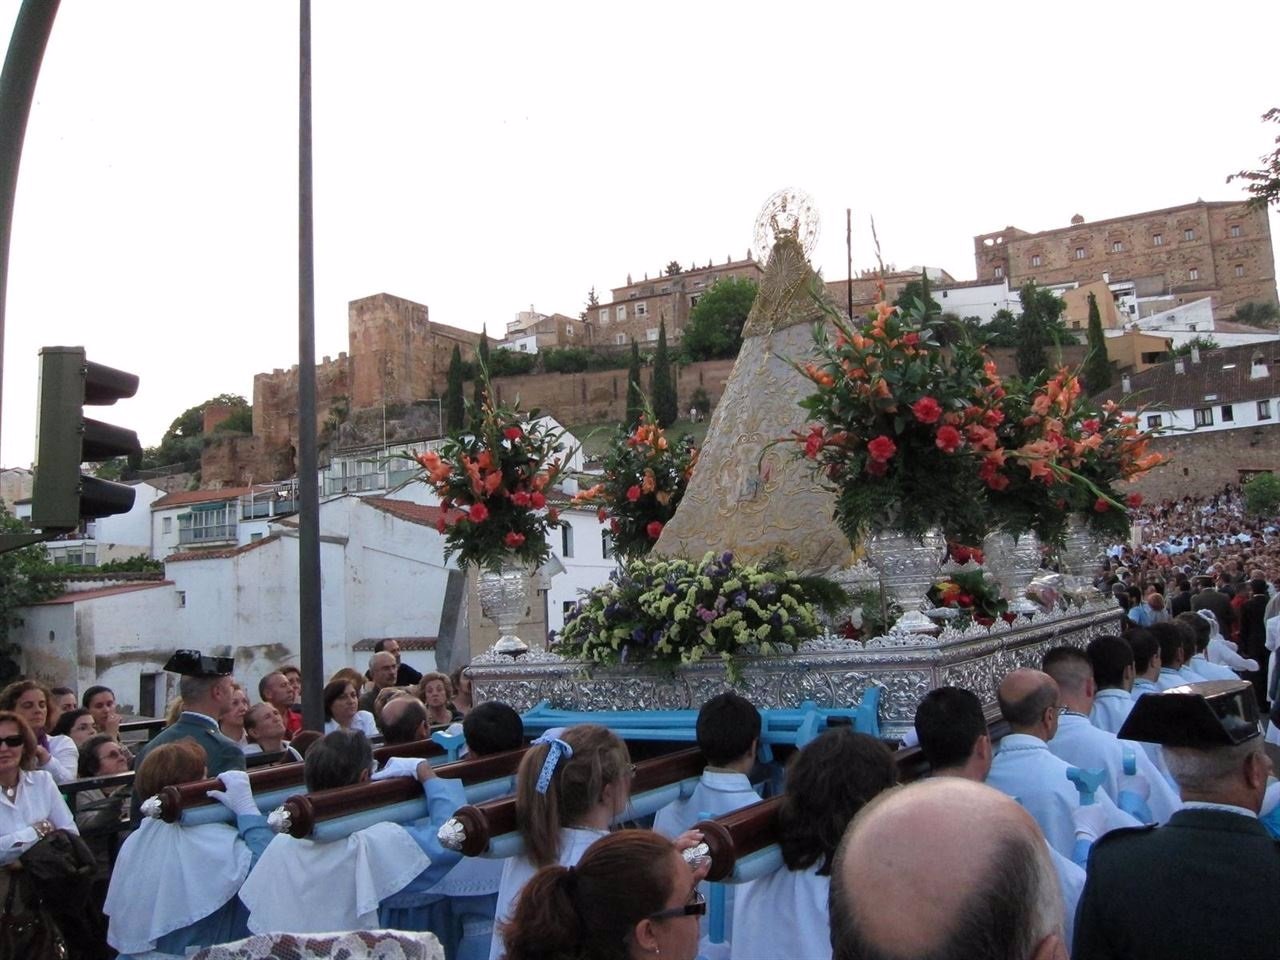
(220, 554)
(183, 497)
(77, 595)
(1224, 372)
(407, 510)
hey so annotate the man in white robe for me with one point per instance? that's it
(1111, 659)
(1023, 766)
(1081, 744)
(1200, 625)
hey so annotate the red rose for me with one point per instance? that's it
(633, 492)
(514, 540)
(537, 500)
(927, 410)
(1101, 505)
(965, 600)
(881, 448)
(1008, 617)
(513, 433)
(960, 554)
(654, 529)
(479, 513)
(813, 443)
(948, 439)
(992, 418)
(1134, 500)
(520, 499)
(911, 339)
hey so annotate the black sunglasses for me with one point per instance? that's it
(17, 740)
(696, 907)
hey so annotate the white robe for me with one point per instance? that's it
(783, 915)
(1081, 744)
(518, 870)
(1223, 651)
(1071, 882)
(718, 792)
(1110, 709)
(1143, 685)
(1210, 670)
(1171, 678)
(1023, 768)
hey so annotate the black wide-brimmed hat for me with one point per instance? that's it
(1213, 713)
(193, 663)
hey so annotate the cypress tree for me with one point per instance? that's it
(1097, 368)
(455, 407)
(481, 373)
(635, 396)
(666, 406)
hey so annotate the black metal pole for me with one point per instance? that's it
(310, 627)
(848, 249)
(30, 36)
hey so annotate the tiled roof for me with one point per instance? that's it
(184, 497)
(1224, 372)
(220, 554)
(406, 643)
(407, 510)
(77, 596)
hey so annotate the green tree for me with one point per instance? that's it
(715, 323)
(1264, 183)
(1260, 313)
(593, 301)
(1200, 342)
(482, 373)
(635, 396)
(666, 406)
(918, 290)
(1002, 331)
(1097, 368)
(674, 268)
(455, 405)
(240, 421)
(26, 576)
(1262, 495)
(1039, 326)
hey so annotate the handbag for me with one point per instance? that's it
(30, 934)
(61, 869)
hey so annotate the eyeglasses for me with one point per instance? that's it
(696, 907)
(16, 740)
(113, 755)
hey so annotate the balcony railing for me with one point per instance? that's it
(208, 534)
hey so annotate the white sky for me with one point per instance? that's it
(480, 158)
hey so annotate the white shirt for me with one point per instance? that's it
(718, 792)
(1110, 709)
(783, 915)
(362, 721)
(1023, 768)
(64, 759)
(1210, 670)
(1223, 651)
(518, 870)
(1171, 678)
(1081, 744)
(1142, 685)
(37, 799)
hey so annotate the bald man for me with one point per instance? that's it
(1024, 768)
(382, 671)
(403, 720)
(969, 861)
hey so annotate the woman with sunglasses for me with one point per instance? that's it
(30, 805)
(631, 896)
(56, 756)
(98, 813)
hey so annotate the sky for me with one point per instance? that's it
(483, 158)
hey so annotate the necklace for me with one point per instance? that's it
(11, 792)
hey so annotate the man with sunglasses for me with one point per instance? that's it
(1151, 891)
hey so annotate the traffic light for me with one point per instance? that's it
(65, 439)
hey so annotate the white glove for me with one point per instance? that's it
(1091, 822)
(398, 767)
(237, 795)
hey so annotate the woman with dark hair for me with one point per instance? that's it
(630, 896)
(77, 724)
(568, 790)
(56, 756)
(828, 782)
(30, 805)
(176, 886)
(342, 709)
(98, 813)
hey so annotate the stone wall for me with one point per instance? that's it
(275, 399)
(1201, 462)
(602, 394)
(238, 461)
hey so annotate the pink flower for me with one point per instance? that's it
(927, 410)
(513, 433)
(520, 499)
(654, 529)
(948, 439)
(813, 443)
(633, 492)
(537, 500)
(881, 448)
(1101, 505)
(514, 540)
(479, 513)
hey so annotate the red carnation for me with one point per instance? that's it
(1090, 426)
(633, 492)
(520, 499)
(442, 524)
(513, 433)
(881, 448)
(479, 513)
(654, 529)
(514, 540)
(1134, 500)
(911, 339)
(602, 515)
(813, 443)
(1101, 505)
(948, 439)
(538, 500)
(927, 410)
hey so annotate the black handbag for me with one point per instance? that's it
(61, 869)
(27, 932)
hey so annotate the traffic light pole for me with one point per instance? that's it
(310, 626)
(30, 36)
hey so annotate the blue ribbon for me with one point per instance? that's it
(557, 748)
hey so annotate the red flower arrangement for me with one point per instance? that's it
(492, 484)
